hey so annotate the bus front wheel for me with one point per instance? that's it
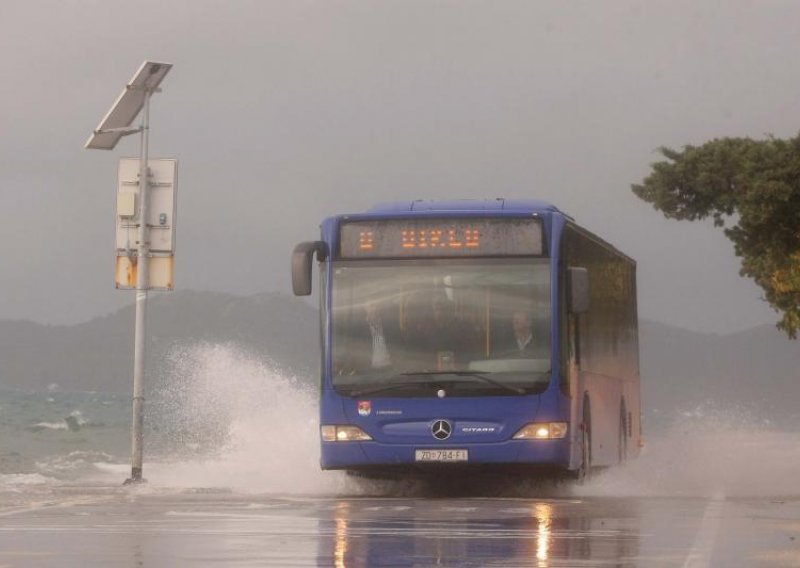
(584, 472)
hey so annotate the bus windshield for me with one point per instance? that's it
(468, 327)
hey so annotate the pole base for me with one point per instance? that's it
(136, 477)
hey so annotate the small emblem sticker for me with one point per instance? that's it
(364, 407)
(389, 412)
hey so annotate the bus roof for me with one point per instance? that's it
(498, 204)
(472, 205)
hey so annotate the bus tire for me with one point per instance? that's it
(585, 470)
(623, 433)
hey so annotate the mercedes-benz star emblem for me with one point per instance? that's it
(441, 429)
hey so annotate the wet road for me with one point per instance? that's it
(117, 527)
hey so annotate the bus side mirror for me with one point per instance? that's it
(578, 281)
(301, 265)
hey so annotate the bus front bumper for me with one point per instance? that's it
(366, 455)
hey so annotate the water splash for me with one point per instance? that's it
(237, 421)
(709, 451)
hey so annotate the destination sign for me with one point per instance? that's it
(400, 238)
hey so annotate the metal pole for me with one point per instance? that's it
(142, 282)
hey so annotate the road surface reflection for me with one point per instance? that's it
(477, 533)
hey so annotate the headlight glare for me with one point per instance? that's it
(343, 433)
(542, 431)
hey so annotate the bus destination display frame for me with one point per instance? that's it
(461, 237)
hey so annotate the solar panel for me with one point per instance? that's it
(124, 110)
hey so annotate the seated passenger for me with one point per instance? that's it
(368, 342)
(380, 356)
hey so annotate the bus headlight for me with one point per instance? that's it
(344, 434)
(542, 431)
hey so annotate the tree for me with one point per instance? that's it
(751, 188)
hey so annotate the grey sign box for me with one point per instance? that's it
(162, 205)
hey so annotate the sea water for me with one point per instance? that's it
(58, 435)
(216, 417)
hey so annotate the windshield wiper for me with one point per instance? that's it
(397, 384)
(480, 376)
(391, 385)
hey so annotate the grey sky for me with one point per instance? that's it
(284, 112)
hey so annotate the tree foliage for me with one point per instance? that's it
(751, 188)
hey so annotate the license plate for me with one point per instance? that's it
(441, 455)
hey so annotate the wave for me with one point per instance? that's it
(75, 466)
(38, 427)
(74, 422)
(25, 479)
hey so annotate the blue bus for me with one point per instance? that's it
(488, 335)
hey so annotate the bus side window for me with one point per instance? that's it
(569, 257)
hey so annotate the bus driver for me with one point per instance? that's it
(521, 344)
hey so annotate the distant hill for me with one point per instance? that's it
(758, 369)
(98, 354)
